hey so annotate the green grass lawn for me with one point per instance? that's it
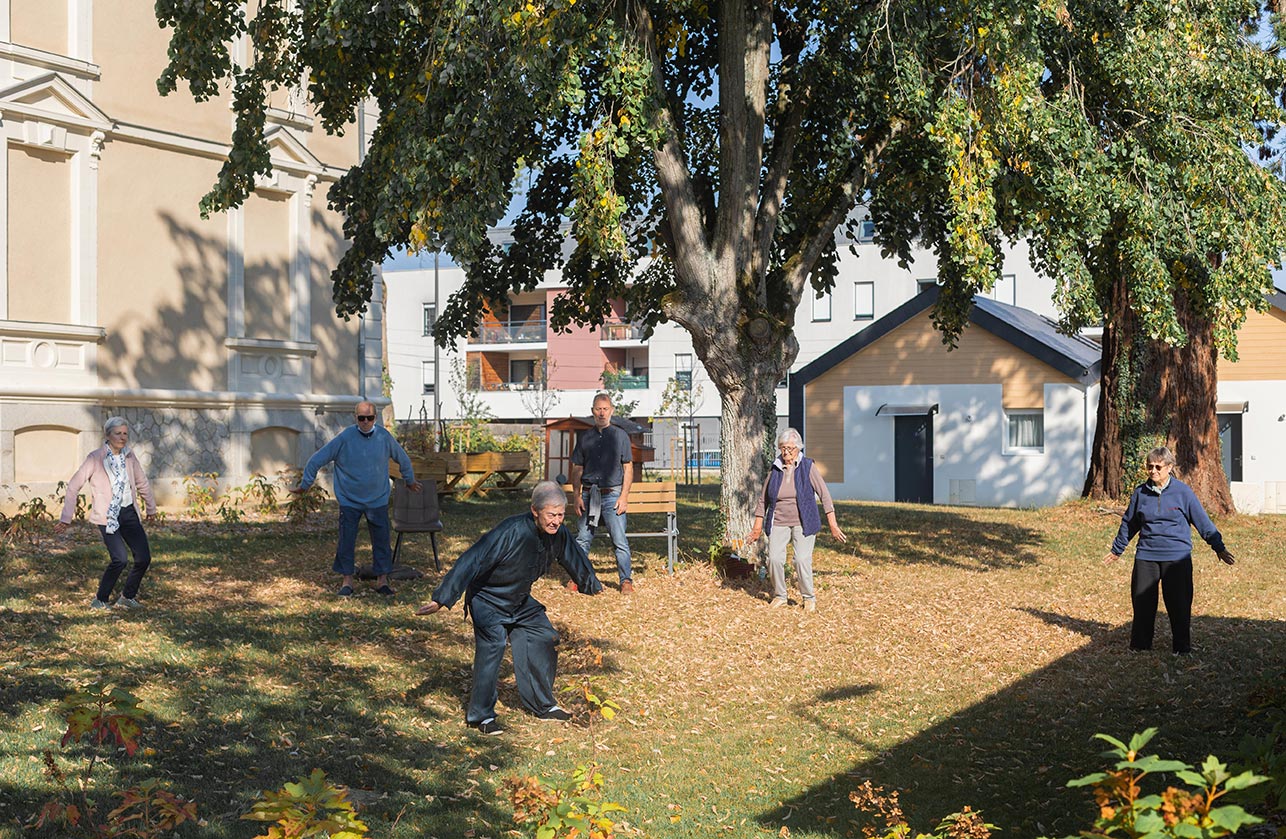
(965, 656)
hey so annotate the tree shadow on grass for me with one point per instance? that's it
(1011, 755)
(942, 536)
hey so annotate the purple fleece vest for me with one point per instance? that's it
(809, 516)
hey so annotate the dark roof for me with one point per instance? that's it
(1038, 336)
(627, 425)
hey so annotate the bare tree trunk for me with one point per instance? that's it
(743, 444)
(1187, 396)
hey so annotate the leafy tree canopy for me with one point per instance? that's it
(705, 152)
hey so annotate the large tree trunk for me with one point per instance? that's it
(1152, 393)
(1186, 396)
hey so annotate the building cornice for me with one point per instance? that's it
(59, 331)
(160, 398)
(272, 346)
(50, 61)
(157, 138)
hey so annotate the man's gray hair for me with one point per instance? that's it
(791, 437)
(112, 422)
(547, 494)
(602, 397)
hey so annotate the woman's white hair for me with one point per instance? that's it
(547, 494)
(112, 422)
(791, 436)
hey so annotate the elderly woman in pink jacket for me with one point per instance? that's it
(116, 482)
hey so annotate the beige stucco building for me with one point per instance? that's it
(215, 337)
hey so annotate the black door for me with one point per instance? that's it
(913, 459)
(1230, 445)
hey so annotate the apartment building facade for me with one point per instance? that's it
(515, 361)
(215, 338)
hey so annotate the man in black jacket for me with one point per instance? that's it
(495, 576)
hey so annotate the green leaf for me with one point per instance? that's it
(1088, 780)
(1232, 818)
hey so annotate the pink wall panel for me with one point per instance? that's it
(576, 360)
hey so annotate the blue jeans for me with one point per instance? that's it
(615, 528)
(377, 526)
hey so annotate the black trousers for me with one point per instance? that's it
(1175, 581)
(534, 642)
(129, 538)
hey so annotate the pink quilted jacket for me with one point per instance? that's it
(93, 472)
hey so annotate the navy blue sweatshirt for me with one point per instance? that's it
(1162, 521)
(502, 565)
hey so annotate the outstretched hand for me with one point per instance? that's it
(1226, 556)
(429, 608)
(1110, 558)
(61, 527)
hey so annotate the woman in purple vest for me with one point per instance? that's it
(788, 510)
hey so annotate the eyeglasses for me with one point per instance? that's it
(366, 418)
(788, 448)
(1156, 467)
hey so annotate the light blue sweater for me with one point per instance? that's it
(361, 467)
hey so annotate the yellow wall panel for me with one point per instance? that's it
(39, 235)
(39, 23)
(267, 265)
(1261, 349)
(162, 271)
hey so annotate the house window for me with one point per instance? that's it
(924, 285)
(822, 306)
(863, 301)
(683, 369)
(428, 375)
(866, 231)
(522, 372)
(1024, 432)
(430, 318)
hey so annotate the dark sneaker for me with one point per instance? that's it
(345, 591)
(490, 726)
(385, 590)
(556, 714)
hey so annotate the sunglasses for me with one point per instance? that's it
(1157, 466)
(366, 418)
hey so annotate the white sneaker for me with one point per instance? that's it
(777, 603)
(810, 605)
(127, 603)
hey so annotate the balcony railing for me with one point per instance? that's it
(616, 330)
(509, 386)
(515, 332)
(631, 382)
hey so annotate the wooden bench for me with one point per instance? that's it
(648, 497)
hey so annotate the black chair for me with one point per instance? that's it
(416, 512)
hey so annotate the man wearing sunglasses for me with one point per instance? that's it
(361, 454)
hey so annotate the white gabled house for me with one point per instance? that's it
(1006, 419)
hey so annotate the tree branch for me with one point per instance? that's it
(814, 242)
(781, 156)
(689, 249)
(745, 39)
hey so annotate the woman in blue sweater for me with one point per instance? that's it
(1162, 512)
